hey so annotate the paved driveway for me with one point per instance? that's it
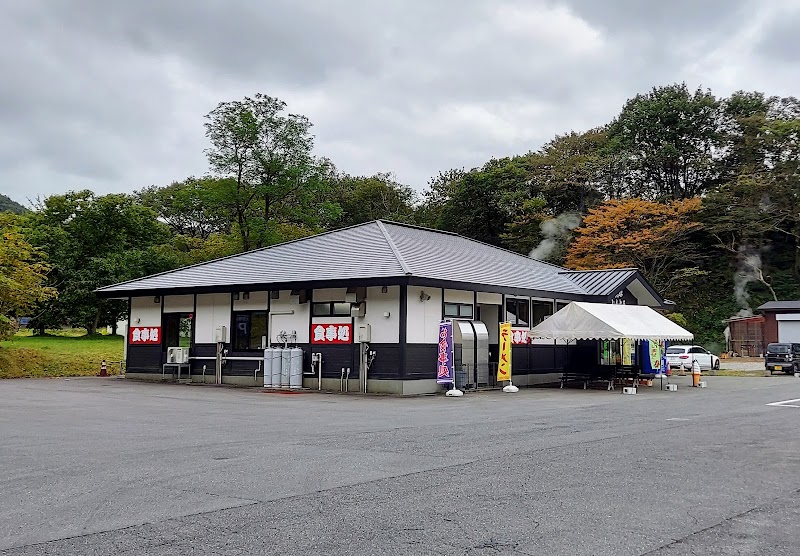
(107, 466)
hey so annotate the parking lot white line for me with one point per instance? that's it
(785, 403)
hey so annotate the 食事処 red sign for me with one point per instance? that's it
(143, 335)
(332, 333)
(519, 337)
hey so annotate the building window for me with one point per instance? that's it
(458, 310)
(541, 310)
(249, 330)
(518, 312)
(560, 305)
(331, 309)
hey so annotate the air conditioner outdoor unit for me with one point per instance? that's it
(358, 310)
(177, 355)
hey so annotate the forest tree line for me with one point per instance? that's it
(701, 193)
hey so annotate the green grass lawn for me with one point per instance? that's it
(58, 353)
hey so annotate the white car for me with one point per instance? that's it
(685, 355)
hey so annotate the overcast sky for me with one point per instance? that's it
(110, 95)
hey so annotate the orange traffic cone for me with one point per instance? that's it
(695, 374)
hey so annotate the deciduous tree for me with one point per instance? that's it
(194, 207)
(92, 241)
(23, 275)
(654, 237)
(275, 179)
(370, 198)
(668, 138)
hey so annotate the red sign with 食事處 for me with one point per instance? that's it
(332, 333)
(144, 335)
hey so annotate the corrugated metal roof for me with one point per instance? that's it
(371, 250)
(600, 282)
(451, 257)
(356, 252)
(780, 305)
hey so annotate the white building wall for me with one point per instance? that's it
(296, 321)
(213, 310)
(385, 330)
(178, 303)
(459, 296)
(424, 316)
(486, 298)
(258, 302)
(330, 294)
(145, 312)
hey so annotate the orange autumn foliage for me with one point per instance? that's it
(651, 236)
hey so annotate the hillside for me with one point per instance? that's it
(9, 205)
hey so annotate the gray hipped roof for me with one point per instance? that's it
(601, 282)
(376, 250)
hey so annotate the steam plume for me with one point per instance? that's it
(556, 232)
(749, 270)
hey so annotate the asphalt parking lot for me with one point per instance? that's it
(108, 466)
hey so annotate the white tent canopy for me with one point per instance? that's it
(598, 321)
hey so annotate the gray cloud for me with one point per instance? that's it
(781, 41)
(110, 95)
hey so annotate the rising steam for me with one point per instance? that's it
(556, 232)
(749, 270)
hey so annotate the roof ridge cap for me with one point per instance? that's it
(417, 227)
(456, 234)
(393, 247)
(567, 271)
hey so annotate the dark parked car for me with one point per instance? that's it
(783, 357)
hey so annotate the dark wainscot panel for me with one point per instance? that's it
(144, 359)
(421, 361)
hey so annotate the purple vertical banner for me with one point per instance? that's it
(445, 374)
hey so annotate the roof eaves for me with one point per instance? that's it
(647, 285)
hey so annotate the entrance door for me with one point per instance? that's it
(178, 330)
(490, 316)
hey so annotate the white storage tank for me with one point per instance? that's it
(286, 367)
(268, 355)
(296, 368)
(276, 368)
